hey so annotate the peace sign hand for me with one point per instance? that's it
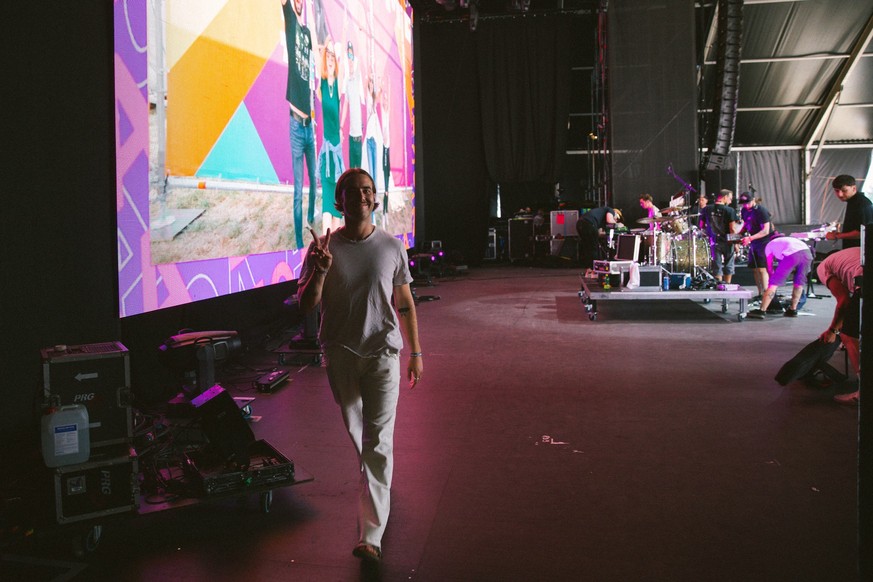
(319, 253)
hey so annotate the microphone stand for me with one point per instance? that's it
(701, 275)
(685, 185)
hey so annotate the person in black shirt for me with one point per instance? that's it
(759, 230)
(859, 210)
(298, 93)
(588, 227)
(720, 220)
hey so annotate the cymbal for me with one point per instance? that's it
(657, 219)
(674, 209)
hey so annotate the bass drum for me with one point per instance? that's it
(690, 252)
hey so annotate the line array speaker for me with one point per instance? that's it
(730, 38)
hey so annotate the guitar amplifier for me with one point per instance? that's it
(98, 377)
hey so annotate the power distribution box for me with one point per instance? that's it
(104, 486)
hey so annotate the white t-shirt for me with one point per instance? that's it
(781, 247)
(354, 90)
(356, 308)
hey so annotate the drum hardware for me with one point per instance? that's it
(670, 209)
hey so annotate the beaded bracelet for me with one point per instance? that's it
(415, 355)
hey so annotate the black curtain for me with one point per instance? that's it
(524, 91)
(493, 104)
(451, 186)
(57, 244)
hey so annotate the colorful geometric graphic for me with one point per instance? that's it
(225, 65)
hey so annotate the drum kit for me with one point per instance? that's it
(674, 242)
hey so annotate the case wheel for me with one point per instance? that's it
(87, 542)
(266, 501)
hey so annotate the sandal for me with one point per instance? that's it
(367, 552)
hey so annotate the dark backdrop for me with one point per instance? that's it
(493, 109)
(652, 98)
(58, 235)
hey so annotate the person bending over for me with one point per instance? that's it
(793, 256)
(588, 228)
(839, 272)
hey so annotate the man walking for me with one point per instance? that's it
(353, 274)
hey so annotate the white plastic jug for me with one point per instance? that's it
(66, 438)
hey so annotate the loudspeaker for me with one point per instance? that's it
(222, 422)
(520, 238)
(491, 248)
(730, 38)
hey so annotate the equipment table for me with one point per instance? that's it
(592, 291)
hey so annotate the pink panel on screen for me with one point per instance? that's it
(264, 99)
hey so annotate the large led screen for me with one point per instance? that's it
(234, 119)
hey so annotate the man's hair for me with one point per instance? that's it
(724, 193)
(842, 181)
(646, 197)
(340, 191)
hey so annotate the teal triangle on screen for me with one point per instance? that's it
(239, 154)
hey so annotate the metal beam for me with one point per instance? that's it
(800, 58)
(820, 122)
(710, 40)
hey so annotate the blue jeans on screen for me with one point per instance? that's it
(302, 143)
(371, 157)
